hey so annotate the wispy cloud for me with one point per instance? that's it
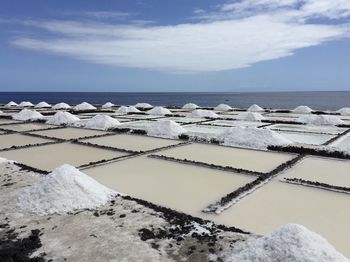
(235, 35)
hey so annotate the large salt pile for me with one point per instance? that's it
(289, 243)
(143, 105)
(62, 118)
(27, 114)
(250, 116)
(63, 190)
(320, 120)
(25, 103)
(42, 104)
(203, 113)
(102, 122)
(222, 107)
(159, 111)
(251, 137)
(11, 103)
(302, 110)
(190, 106)
(127, 109)
(107, 105)
(61, 106)
(345, 111)
(255, 108)
(84, 106)
(166, 129)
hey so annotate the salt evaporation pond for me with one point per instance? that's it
(306, 138)
(26, 127)
(332, 130)
(140, 116)
(142, 124)
(185, 119)
(254, 160)
(179, 186)
(232, 123)
(69, 133)
(7, 121)
(9, 140)
(342, 143)
(204, 131)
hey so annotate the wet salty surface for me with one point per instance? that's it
(26, 127)
(9, 140)
(306, 138)
(308, 128)
(69, 133)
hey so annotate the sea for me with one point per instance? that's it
(325, 100)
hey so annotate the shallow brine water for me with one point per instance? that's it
(308, 128)
(69, 133)
(306, 138)
(26, 127)
(9, 140)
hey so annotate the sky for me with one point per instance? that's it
(170, 46)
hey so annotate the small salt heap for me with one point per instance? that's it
(190, 106)
(203, 113)
(320, 120)
(159, 111)
(25, 103)
(84, 106)
(143, 105)
(165, 129)
(250, 116)
(62, 118)
(345, 111)
(61, 106)
(302, 110)
(11, 103)
(102, 122)
(107, 105)
(127, 109)
(42, 104)
(27, 115)
(255, 108)
(222, 107)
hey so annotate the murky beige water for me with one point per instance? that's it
(6, 141)
(182, 187)
(8, 121)
(331, 171)
(50, 156)
(69, 133)
(26, 127)
(277, 203)
(308, 128)
(132, 142)
(306, 138)
(227, 156)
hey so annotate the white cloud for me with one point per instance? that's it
(225, 39)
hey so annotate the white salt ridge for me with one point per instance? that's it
(84, 106)
(250, 116)
(320, 120)
(203, 113)
(42, 104)
(255, 108)
(102, 122)
(159, 111)
(11, 103)
(345, 111)
(62, 118)
(27, 114)
(251, 137)
(61, 106)
(165, 129)
(107, 105)
(190, 106)
(222, 107)
(289, 243)
(25, 103)
(302, 110)
(64, 190)
(143, 105)
(127, 109)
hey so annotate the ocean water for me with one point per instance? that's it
(331, 100)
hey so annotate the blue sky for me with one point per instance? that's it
(163, 45)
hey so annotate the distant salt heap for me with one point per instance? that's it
(102, 122)
(190, 106)
(250, 116)
(9, 104)
(42, 104)
(165, 129)
(320, 120)
(255, 108)
(63, 190)
(25, 103)
(251, 137)
(289, 243)
(61, 106)
(345, 111)
(62, 118)
(27, 115)
(84, 106)
(302, 110)
(159, 111)
(143, 105)
(203, 113)
(127, 109)
(222, 107)
(107, 105)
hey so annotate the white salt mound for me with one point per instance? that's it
(255, 108)
(190, 106)
(84, 106)
(62, 118)
(61, 106)
(126, 109)
(320, 120)
(27, 114)
(250, 116)
(102, 122)
(251, 137)
(165, 129)
(42, 104)
(159, 111)
(25, 103)
(63, 190)
(107, 105)
(345, 111)
(222, 107)
(203, 113)
(289, 243)
(302, 110)
(11, 103)
(143, 105)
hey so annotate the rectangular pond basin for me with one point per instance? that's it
(69, 133)
(185, 120)
(342, 143)
(140, 116)
(332, 130)
(205, 131)
(254, 160)
(141, 124)
(182, 187)
(277, 203)
(233, 123)
(132, 142)
(8, 121)
(306, 138)
(48, 157)
(9, 140)
(26, 127)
